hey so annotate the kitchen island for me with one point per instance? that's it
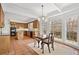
(21, 32)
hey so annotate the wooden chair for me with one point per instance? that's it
(37, 39)
(49, 40)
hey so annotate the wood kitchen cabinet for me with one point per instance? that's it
(4, 44)
(35, 24)
(1, 17)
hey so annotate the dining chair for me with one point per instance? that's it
(37, 39)
(49, 40)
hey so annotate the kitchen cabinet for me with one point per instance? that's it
(4, 44)
(1, 17)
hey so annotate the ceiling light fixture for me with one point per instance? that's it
(43, 18)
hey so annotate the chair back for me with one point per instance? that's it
(51, 37)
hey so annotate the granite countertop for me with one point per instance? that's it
(23, 30)
(4, 34)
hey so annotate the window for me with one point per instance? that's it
(72, 29)
(57, 28)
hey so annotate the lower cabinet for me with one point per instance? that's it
(4, 44)
(30, 34)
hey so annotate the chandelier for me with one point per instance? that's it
(43, 18)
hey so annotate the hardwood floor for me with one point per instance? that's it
(20, 47)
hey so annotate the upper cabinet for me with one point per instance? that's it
(1, 17)
(35, 24)
(19, 25)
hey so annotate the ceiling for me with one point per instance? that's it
(26, 12)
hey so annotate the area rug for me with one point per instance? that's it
(59, 49)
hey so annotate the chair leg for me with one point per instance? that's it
(34, 43)
(48, 48)
(53, 46)
(42, 47)
(38, 43)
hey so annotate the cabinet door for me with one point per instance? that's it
(35, 24)
(1, 16)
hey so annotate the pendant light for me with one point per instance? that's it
(43, 18)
